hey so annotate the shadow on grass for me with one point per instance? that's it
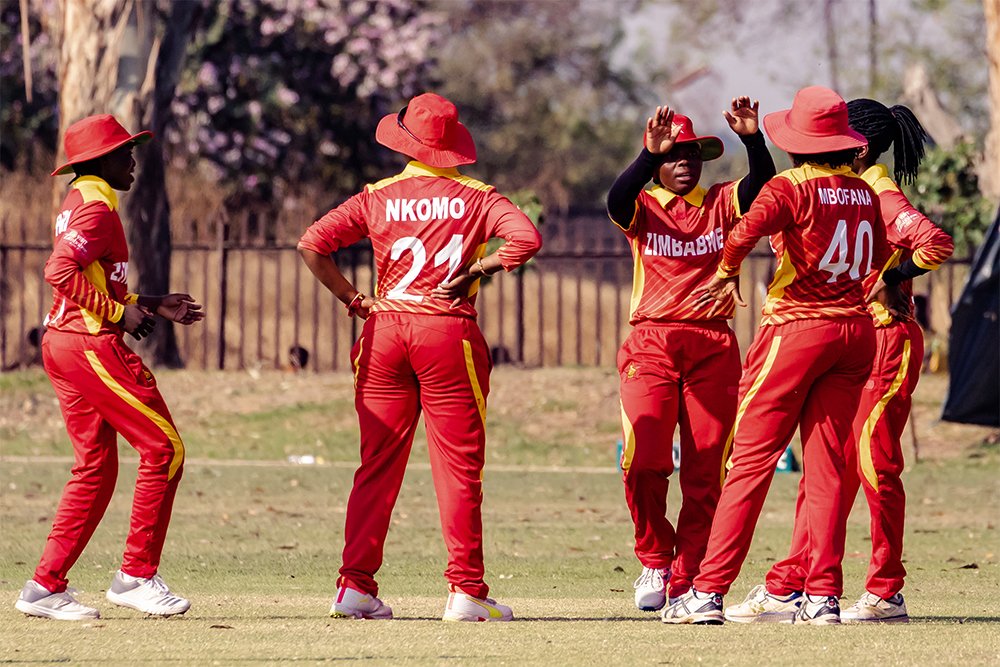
(959, 620)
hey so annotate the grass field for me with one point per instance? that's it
(255, 541)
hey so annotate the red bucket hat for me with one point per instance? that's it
(95, 136)
(711, 147)
(816, 123)
(427, 129)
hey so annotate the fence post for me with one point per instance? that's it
(221, 229)
(519, 314)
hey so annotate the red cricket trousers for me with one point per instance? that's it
(406, 364)
(808, 373)
(676, 373)
(104, 389)
(876, 464)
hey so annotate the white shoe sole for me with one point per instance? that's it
(653, 607)
(114, 598)
(474, 618)
(357, 615)
(710, 618)
(888, 619)
(767, 617)
(32, 609)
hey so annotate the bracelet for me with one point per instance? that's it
(482, 269)
(354, 305)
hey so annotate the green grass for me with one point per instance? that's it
(257, 548)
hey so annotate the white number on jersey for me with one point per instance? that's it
(450, 254)
(62, 222)
(837, 259)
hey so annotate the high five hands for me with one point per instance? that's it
(743, 117)
(661, 133)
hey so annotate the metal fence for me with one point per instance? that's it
(569, 306)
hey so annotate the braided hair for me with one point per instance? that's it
(884, 126)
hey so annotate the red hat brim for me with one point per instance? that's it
(792, 140)
(93, 154)
(391, 135)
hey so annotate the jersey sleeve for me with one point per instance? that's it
(906, 227)
(339, 228)
(83, 243)
(770, 213)
(505, 220)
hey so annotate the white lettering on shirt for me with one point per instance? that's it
(427, 208)
(664, 245)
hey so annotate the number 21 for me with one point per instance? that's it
(450, 254)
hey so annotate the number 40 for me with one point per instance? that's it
(838, 249)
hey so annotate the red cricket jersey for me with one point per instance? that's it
(88, 267)
(425, 224)
(827, 232)
(909, 232)
(676, 244)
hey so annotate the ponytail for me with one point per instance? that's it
(896, 126)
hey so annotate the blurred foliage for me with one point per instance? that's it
(537, 87)
(947, 191)
(282, 92)
(28, 130)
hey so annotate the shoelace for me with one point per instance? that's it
(650, 576)
(157, 583)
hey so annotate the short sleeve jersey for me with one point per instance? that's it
(425, 225)
(909, 232)
(88, 267)
(676, 244)
(827, 232)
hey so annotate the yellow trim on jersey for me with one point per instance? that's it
(638, 278)
(416, 168)
(95, 276)
(696, 197)
(878, 311)
(772, 354)
(131, 299)
(810, 171)
(630, 227)
(736, 198)
(921, 261)
(470, 367)
(161, 422)
(783, 277)
(865, 437)
(95, 188)
(628, 447)
(877, 176)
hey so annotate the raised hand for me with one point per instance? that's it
(180, 308)
(661, 133)
(743, 118)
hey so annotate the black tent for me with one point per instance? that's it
(974, 341)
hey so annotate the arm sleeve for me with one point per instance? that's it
(82, 244)
(506, 221)
(337, 229)
(908, 228)
(627, 188)
(770, 213)
(761, 170)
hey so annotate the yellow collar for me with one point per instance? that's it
(872, 174)
(696, 197)
(417, 168)
(96, 188)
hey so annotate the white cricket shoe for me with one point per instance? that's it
(150, 596)
(463, 607)
(695, 607)
(763, 607)
(651, 589)
(36, 600)
(352, 603)
(873, 609)
(818, 610)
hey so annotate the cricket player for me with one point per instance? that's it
(103, 387)
(420, 349)
(678, 365)
(876, 464)
(810, 358)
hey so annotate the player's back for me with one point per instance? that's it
(832, 238)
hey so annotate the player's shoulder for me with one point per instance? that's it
(417, 170)
(877, 177)
(92, 192)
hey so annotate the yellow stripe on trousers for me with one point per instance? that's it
(628, 448)
(865, 437)
(754, 388)
(162, 422)
(470, 367)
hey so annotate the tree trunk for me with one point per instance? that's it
(148, 76)
(831, 43)
(923, 99)
(989, 172)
